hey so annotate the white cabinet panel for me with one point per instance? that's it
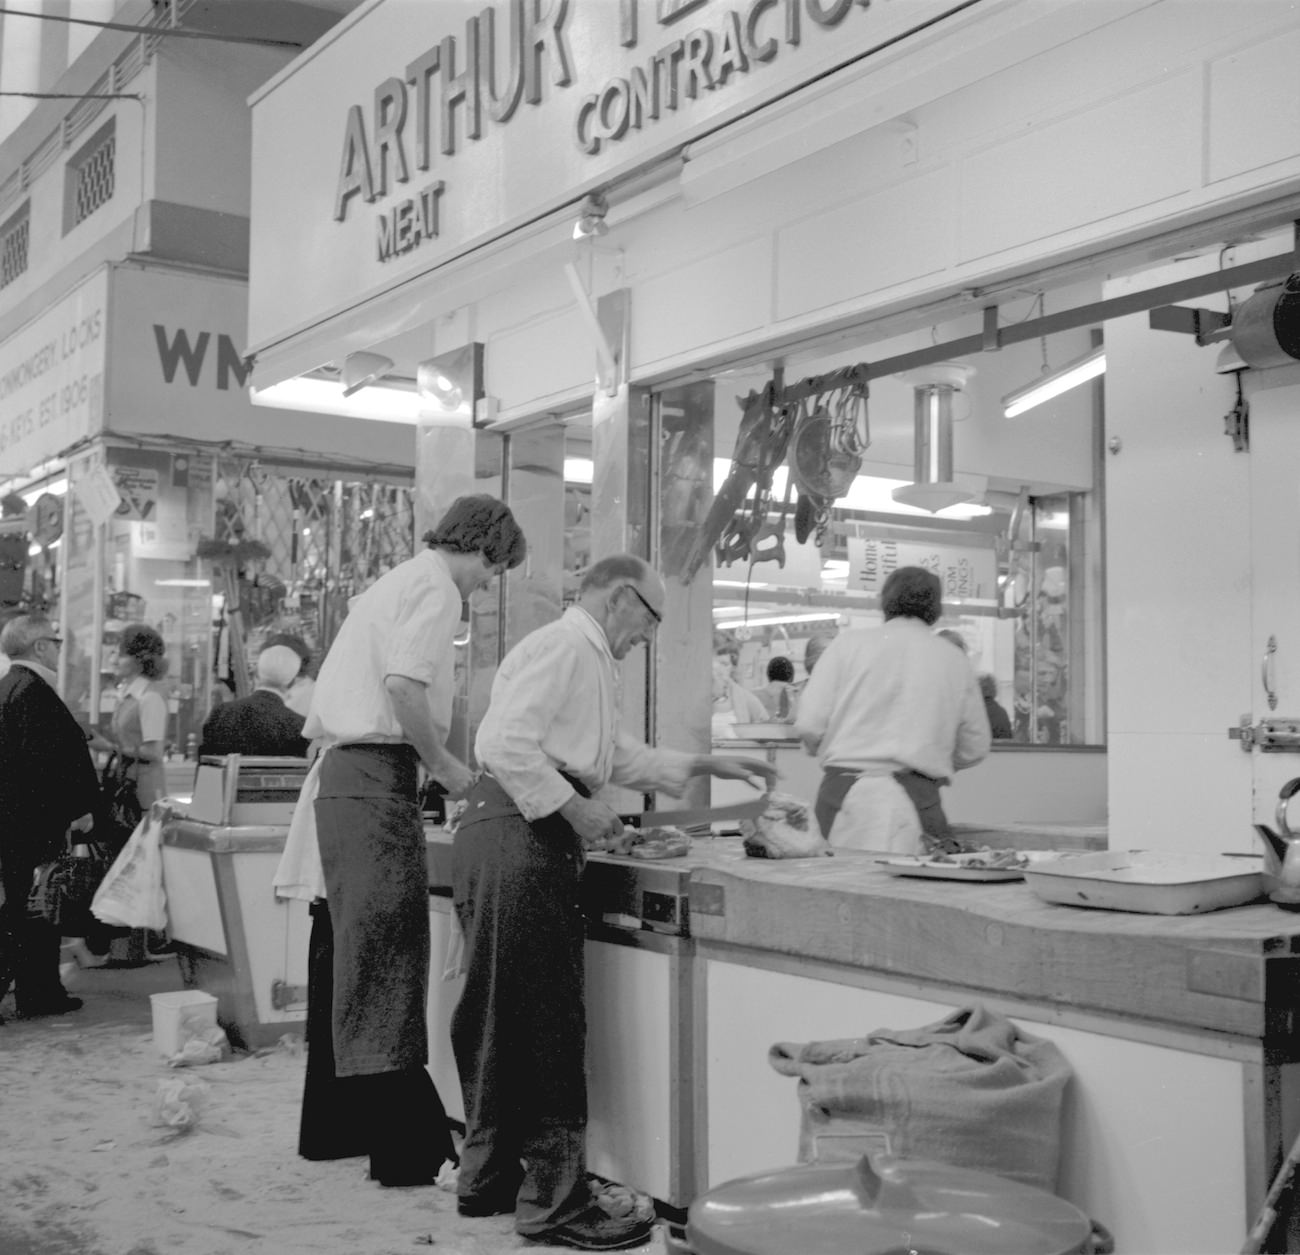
(1153, 1137)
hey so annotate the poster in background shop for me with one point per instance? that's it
(52, 378)
(967, 574)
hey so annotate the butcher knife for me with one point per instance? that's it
(701, 815)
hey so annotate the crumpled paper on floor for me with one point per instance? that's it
(208, 1046)
(177, 1102)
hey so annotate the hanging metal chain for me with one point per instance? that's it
(850, 432)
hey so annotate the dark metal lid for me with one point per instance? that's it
(883, 1206)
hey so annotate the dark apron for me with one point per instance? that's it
(371, 840)
(936, 832)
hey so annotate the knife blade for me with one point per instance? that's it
(701, 815)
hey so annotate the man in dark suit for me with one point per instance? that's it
(260, 723)
(47, 786)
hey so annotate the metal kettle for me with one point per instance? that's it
(1282, 853)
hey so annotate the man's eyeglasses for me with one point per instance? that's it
(54, 640)
(649, 609)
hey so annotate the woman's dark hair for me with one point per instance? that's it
(480, 524)
(912, 592)
(141, 642)
(780, 668)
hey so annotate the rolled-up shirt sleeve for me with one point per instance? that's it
(525, 696)
(973, 735)
(422, 618)
(639, 766)
(818, 698)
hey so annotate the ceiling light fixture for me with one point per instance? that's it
(933, 388)
(591, 217)
(360, 370)
(1052, 384)
(451, 383)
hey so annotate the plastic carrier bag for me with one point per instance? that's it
(131, 893)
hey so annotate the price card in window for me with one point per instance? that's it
(97, 492)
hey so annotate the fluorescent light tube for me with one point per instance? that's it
(773, 620)
(384, 403)
(1071, 375)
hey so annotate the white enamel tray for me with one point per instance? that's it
(1149, 882)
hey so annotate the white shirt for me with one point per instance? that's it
(403, 624)
(897, 696)
(555, 707)
(153, 707)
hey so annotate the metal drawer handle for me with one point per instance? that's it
(1266, 672)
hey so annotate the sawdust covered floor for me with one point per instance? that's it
(86, 1169)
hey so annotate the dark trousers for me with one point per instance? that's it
(333, 1124)
(30, 947)
(519, 1030)
(372, 854)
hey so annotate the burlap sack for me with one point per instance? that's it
(973, 1090)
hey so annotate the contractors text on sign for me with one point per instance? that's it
(453, 91)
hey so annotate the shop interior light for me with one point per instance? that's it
(772, 620)
(578, 470)
(451, 383)
(1071, 375)
(395, 402)
(867, 492)
(360, 370)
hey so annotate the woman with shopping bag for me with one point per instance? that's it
(134, 777)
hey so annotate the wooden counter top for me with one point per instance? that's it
(1235, 971)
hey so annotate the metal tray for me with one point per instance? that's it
(1149, 882)
(914, 865)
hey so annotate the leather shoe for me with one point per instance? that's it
(596, 1230)
(52, 1006)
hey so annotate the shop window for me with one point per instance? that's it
(306, 545)
(1020, 569)
(91, 176)
(14, 236)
